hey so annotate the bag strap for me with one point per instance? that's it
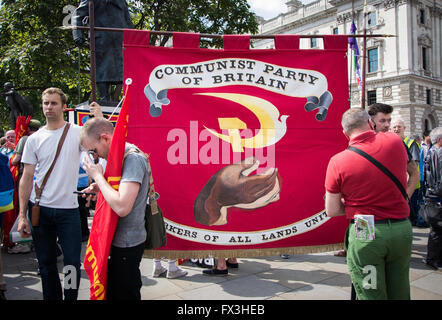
(381, 167)
(151, 193)
(39, 190)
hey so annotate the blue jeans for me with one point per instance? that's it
(63, 224)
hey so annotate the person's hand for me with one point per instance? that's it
(93, 190)
(23, 227)
(233, 186)
(8, 145)
(93, 170)
(95, 110)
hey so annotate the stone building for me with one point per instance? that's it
(404, 71)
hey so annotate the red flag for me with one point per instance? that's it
(105, 219)
(21, 129)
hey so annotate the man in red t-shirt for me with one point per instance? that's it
(379, 268)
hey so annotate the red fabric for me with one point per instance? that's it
(234, 42)
(364, 187)
(287, 41)
(335, 41)
(186, 40)
(21, 129)
(105, 219)
(194, 93)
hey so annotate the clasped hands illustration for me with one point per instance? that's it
(234, 186)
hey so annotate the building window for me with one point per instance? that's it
(422, 16)
(335, 31)
(371, 19)
(371, 97)
(373, 60)
(428, 96)
(313, 43)
(424, 58)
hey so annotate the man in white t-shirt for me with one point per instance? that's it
(59, 215)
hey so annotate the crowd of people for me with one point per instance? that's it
(56, 217)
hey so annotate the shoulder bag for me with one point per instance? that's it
(35, 213)
(155, 227)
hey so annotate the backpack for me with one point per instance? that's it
(6, 185)
(433, 174)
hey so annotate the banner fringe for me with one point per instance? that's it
(245, 253)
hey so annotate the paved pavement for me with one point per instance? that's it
(301, 277)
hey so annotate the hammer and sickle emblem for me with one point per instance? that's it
(272, 126)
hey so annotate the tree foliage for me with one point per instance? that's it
(36, 53)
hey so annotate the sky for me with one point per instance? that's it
(270, 8)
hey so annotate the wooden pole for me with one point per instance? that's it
(207, 35)
(92, 48)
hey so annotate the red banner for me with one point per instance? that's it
(239, 140)
(21, 129)
(105, 219)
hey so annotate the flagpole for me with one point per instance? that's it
(92, 29)
(364, 62)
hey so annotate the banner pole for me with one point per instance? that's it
(207, 35)
(92, 29)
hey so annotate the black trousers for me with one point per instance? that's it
(434, 246)
(84, 213)
(123, 274)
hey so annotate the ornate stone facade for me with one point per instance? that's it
(409, 64)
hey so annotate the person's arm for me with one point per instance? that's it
(413, 177)
(120, 201)
(95, 110)
(25, 189)
(333, 204)
(15, 159)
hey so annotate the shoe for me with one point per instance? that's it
(2, 295)
(341, 253)
(285, 256)
(216, 272)
(232, 265)
(19, 248)
(159, 272)
(432, 265)
(176, 274)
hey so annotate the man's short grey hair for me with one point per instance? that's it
(396, 120)
(435, 134)
(354, 118)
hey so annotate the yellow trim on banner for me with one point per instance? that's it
(241, 253)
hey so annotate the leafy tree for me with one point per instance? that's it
(36, 53)
(200, 16)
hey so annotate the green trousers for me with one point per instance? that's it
(379, 268)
